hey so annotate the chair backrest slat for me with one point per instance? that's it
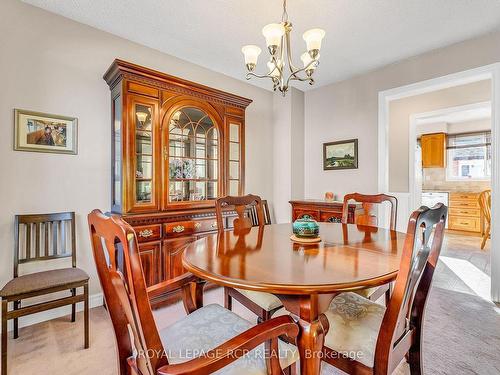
(366, 218)
(126, 296)
(28, 241)
(51, 230)
(46, 239)
(37, 240)
(406, 306)
(247, 207)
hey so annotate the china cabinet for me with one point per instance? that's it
(176, 147)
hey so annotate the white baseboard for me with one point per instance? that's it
(95, 300)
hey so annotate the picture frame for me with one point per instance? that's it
(340, 155)
(44, 132)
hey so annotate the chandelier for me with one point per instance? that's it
(280, 66)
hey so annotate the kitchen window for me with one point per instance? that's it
(469, 156)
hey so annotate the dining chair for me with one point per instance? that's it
(251, 212)
(43, 238)
(208, 339)
(367, 338)
(368, 219)
(485, 205)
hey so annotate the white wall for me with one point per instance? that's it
(288, 152)
(349, 109)
(55, 65)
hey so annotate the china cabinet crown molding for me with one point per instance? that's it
(121, 69)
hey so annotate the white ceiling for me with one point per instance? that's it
(480, 112)
(361, 35)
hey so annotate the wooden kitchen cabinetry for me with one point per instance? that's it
(464, 213)
(176, 147)
(433, 150)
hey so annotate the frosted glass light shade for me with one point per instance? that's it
(251, 53)
(273, 33)
(313, 39)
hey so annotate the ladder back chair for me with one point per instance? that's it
(42, 238)
(485, 205)
(368, 219)
(383, 336)
(208, 339)
(251, 212)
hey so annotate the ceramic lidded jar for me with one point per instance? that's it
(305, 227)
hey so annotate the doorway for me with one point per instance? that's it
(406, 198)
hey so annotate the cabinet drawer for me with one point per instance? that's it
(330, 217)
(470, 224)
(463, 196)
(464, 204)
(471, 212)
(183, 228)
(148, 233)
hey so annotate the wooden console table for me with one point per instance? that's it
(321, 210)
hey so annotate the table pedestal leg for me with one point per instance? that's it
(310, 343)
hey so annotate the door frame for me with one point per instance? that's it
(492, 72)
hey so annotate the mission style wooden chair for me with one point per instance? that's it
(367, 218)
(485, 205)
(250, 213)
(383, 336)
(208, 339)
(43, 238)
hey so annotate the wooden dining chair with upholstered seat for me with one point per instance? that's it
(207, 340)
(250, 211)
(367, 338)
(369, 219)
(485, 205)
(42, 238)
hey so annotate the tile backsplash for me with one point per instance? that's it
(435, 179)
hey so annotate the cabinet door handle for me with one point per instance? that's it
(214, 225)
(178, 229)
(197, 225)
(145, 233)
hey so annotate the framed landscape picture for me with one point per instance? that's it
(340, 155)
(42, 132)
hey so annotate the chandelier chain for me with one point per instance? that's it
(284, 17)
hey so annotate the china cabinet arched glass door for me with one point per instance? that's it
(192, 151)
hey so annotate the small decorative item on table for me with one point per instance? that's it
(305, 230)
(329, 196)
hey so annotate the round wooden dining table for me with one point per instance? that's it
(305, 277)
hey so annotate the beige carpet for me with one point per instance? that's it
(462, 328)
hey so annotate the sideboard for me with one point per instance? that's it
(321, 210)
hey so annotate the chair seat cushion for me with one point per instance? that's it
(354, 326)
(211, 326)
(39, 281)
(267, 301)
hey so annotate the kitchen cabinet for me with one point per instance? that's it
(433, 150)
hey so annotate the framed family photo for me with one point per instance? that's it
(43, 132)
(340, 155)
